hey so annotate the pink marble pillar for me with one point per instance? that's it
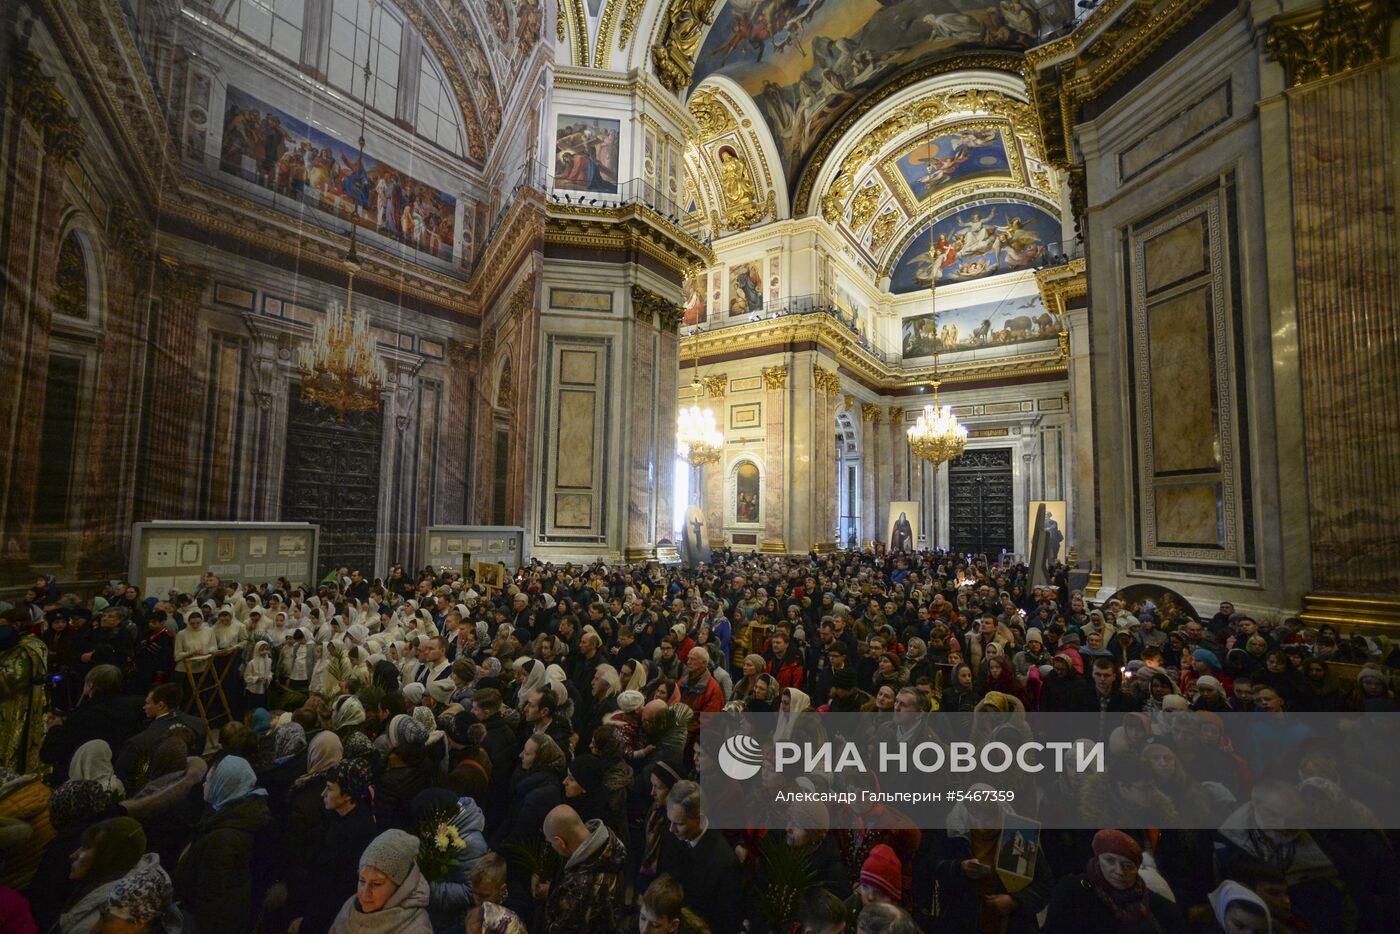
(775, 384)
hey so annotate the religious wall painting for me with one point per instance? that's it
(851, 313)
(985, 239)
(903, 532)
(696, 307)
(932, 166)
(806, 62)
(746, 288)
(746, 492)
(1055, 513)
(987, 324)
(276, 151)
(586, 153)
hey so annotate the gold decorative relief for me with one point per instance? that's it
(710, 114)
(896, 414)
(864, 205)
(870, 412)
(1342, 35)
(681, 33)
(883, 230)
(647, 306)
(715, 385)
(850, 401)
(774, 377)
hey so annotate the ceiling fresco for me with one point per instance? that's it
(806, 62)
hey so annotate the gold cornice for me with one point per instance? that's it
(631, 226)
(1061, 283)
(216, 211)
(1335, 38)
(761, 337)
(1065, 74)
(524, 220)
(1012, 62)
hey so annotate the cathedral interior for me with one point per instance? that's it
(391, 266)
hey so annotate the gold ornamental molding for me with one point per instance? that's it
(896, 414)
(1065, 74)
(712, 116)
(626, 227)
(775, 335)
(1335, 38)
(182, 282)
(37, 97)
(682, 31)
(1356, 614)
(774, 377)
(850, 401)
(715, 385)
(1010, 62)
(1062, 283)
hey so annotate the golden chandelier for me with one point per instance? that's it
(698, 438)
(937, 436)
(340, 368)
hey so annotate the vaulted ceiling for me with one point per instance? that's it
(808, 63)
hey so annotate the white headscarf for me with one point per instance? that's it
(93, 762)
(1230, 892)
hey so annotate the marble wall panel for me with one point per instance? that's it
(1189, 514)
(1182, 387)
(575, 436)
(1176, 254)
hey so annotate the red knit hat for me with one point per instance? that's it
(1119, 844)
(882, 871)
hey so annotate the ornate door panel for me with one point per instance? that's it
(332, 479)
(980, 505)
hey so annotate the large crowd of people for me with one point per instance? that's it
(419, 754)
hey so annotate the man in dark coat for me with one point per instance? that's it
(701, 860)
(163, 708)
(502, 746)
(102, 713)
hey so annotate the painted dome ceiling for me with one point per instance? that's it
(806, 63)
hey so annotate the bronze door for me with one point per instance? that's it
(980, 504)
(332, 479)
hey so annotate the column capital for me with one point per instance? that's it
(870, 412)
(37, 97)
(715, 385)
(774, 377)
(182, 282)
(1336, 37)
(896, 414)
(827, 381)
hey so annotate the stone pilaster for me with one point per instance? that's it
(775, 395)
(176, 378)
(1347, 294)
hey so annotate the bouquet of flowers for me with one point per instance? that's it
(439, 844)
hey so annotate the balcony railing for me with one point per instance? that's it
(813, 304)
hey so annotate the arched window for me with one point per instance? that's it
(276, 24)
(354, 25)
(71, 294)
(437, 114)
(847, 478)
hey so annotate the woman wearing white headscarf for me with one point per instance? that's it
(535, 677)
(93, 762)
(560, 685)
(195, 643)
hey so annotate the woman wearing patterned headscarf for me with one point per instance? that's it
(326, 883)
(141, 903)
(74, 807)
(108, 851)
(214, 878)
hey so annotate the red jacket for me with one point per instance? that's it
(788, 671)
(706, 699)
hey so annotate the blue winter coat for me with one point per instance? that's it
(451, 899)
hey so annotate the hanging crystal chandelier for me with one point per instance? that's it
(698, 438)
(340, 368)
(937, 436)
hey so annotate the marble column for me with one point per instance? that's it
(898, 461)
(872, 503)
(776, 389)
(175, 391)
(640, 408)
(664, 413)
(1082, 531)
(825, 513)
(42, 138)
(1348, 289)
(456, 440)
